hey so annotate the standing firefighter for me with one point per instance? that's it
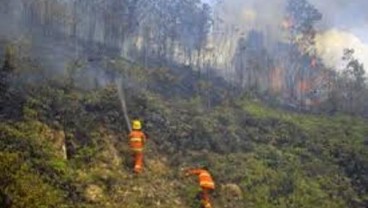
(137, 140)
(205, 182)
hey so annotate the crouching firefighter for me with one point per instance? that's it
(137, 140)
(205, 182)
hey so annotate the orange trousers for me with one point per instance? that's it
(205, 198)
(138, 161)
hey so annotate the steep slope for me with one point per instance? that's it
(260, 157)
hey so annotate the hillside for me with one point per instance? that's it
(259, 156)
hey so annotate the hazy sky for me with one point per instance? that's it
(350, 16)
(347, 15)
(208, 1)
(344, 23)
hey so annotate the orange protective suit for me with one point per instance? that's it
(206, 183)
(137, 139)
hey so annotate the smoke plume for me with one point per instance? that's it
(344, 25)
(330, 45)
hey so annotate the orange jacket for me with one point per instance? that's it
(137, 139)
(205, 178)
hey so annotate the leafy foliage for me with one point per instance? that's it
(273, 157)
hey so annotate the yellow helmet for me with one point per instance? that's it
(137, 125)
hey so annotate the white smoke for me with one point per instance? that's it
(344, 25)
(244, 16)
(235, 18)
(330, 46)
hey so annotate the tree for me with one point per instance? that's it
(301, 17)
(352, 84)
(7, 69)
(354, 69)
(251, 62)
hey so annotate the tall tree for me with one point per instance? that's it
(353, 83)
(7, 69)
(251, 62)
(301, 17)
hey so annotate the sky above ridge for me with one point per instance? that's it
(344, 23)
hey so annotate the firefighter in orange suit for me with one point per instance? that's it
(137, 140)
(205, 182)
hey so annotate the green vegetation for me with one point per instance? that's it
(259, 156)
